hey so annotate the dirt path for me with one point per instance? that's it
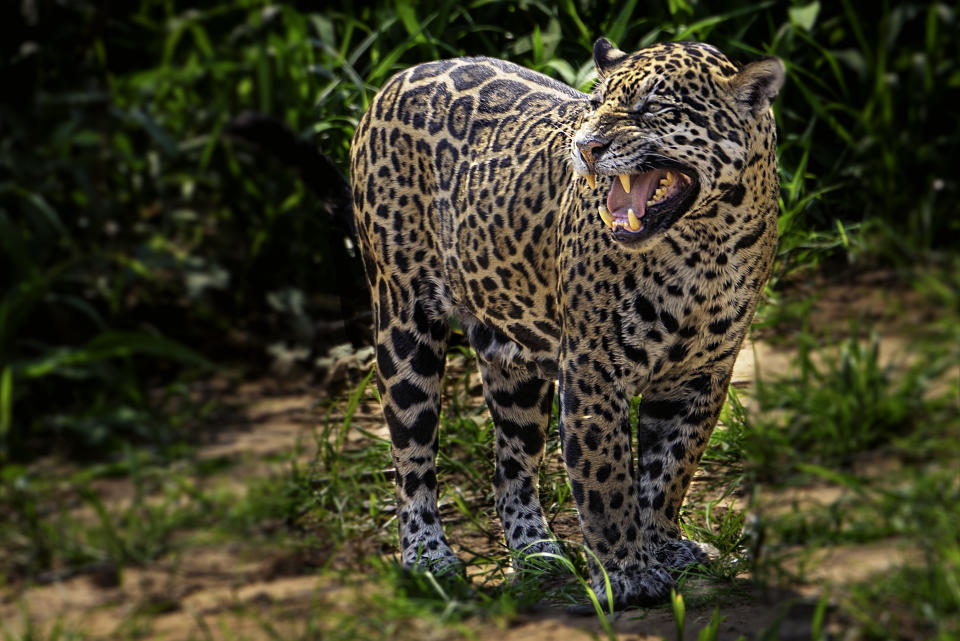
(236, 590)
(207, 589)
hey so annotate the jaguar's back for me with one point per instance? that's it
(459, 169)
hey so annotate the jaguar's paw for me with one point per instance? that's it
(541, 556)
(631, 586)
(676, 555)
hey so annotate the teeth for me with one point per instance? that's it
(633, 220)
(625, 181)
(606, 215)
(663, 188)
(591, 180)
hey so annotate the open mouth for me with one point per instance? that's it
(643, 203)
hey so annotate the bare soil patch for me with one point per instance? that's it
(238, 590)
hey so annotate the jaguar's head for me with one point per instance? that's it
(670, 124)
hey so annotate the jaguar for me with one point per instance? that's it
(612, 244)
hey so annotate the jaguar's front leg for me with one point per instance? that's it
(520, 405)
(674, 426)
(596, 435)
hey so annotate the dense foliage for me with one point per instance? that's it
(139, 242)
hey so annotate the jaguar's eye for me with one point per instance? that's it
(594, 103)
(652, 108)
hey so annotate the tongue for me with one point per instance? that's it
(642, 187)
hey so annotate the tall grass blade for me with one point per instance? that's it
(112, 344)
(701, 28)
(6, 406)
(679, 613)
(711, 631)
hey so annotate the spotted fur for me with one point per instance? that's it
(472, 200)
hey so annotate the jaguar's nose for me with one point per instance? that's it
(591, 150)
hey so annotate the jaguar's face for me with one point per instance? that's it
(668, 127)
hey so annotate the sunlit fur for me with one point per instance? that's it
(470, 204)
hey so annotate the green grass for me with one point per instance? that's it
(842, 403)
(891, 487)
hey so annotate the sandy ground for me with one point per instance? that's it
(236, 591)
(206, 590)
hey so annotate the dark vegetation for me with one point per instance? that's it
(139, 244)
(171, 205)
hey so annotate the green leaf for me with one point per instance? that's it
(805, 16)
(128, 343)
(42, 206)
(80, 305)
(264, 84)
(679, 612)
(164, 140)
(565, 69)
(107, 345)
(170, 44)
(18, 302)
(202, 40)
(819, 616)
(410, 22)
(586, 76)
(586, 34)
(210, 145)
(14, 246)
(679, 6)
(6, 401)
(618, 28)
(843, 235)
(701, 28)
(537, 45)
(712, 629)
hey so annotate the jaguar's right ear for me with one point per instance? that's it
(756, 85)
(606, 57)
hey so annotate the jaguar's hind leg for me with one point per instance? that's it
(520, 406)
(410, 363)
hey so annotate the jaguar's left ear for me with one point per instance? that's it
(757, 84)
(606, 57)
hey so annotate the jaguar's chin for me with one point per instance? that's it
(645, 203)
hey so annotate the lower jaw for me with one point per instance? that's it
(655, 222)
(630, 238)
(650, 226)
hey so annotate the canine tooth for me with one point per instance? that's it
(634, 221)
(591, 180)
(625, 181)
(605, 215)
